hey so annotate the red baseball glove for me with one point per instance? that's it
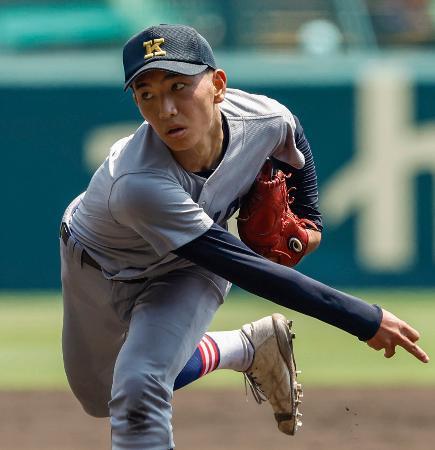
(266, 223)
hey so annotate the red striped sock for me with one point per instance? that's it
(210, 355)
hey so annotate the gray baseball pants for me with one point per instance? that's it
(124, 344)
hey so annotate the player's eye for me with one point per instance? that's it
(178, 86)
(146, 95)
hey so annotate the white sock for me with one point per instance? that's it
(236, 352)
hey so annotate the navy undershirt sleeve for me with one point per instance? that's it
(306, 195)
(223, 254)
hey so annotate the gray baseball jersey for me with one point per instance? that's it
(140, 209)
(141, 204)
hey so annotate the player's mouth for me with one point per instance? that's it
(176, 132)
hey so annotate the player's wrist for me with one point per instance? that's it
(314, 238)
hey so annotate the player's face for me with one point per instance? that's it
(181, 109)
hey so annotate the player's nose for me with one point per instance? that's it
(167, 108)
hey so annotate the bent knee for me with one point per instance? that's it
(96, 410)
(140, 398)
(94, 402)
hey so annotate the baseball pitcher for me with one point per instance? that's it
(147, 260)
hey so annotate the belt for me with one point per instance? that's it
(65, 234)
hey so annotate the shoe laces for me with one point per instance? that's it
(256, 390)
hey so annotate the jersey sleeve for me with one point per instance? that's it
(158, 209)
(287, 149)
(306, 195)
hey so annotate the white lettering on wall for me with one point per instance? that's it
(378, 184)
(98, 142)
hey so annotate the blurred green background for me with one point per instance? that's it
(360, 74)
(30, 343)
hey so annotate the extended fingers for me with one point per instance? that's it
(389, 345)
(409, 337)
(409, 346)
(412, 334)
(415, 350)
(393, 332)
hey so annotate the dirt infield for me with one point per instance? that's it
(211, 420)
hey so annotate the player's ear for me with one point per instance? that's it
(220, 85)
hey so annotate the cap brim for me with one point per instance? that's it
(183, 68)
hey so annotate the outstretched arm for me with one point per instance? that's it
(394, 331)
(220, 252)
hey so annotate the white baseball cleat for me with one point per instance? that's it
(272, 375)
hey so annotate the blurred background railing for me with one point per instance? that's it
(303, 25)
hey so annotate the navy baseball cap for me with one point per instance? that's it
(175, 48)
